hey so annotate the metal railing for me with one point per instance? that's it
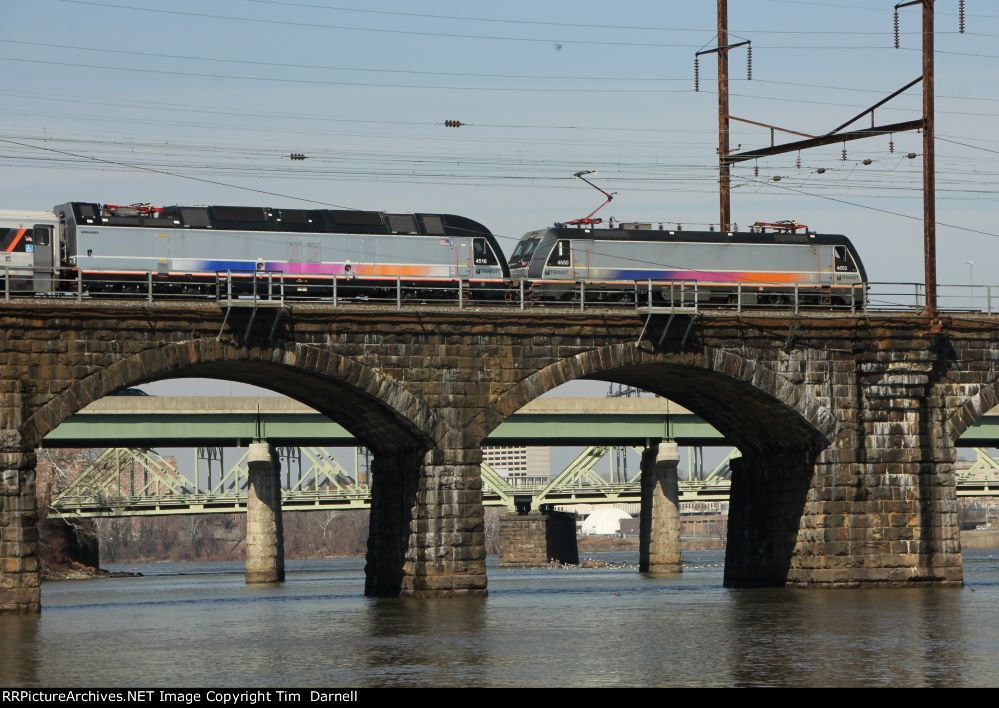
(410, 292)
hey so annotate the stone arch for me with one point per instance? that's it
(375, 408)
(977, 405)
(722, 386)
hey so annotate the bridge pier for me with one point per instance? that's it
(394, 482)
(19, 572)
(659, 523)
(766, 504)
(875, 506)
(535, 539)
(447, 541)
(794, 521)
(264, 524)
(427, 534)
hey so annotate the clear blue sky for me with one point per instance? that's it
(370, 115)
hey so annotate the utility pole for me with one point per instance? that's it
(929, 154)
(724, 168)
(927, 124)
(929, 164)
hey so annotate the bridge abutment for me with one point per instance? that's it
(20, 591)
(264, 524)
(659, 524)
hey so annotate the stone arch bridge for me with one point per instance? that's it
(846, 423)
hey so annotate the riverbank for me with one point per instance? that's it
(980, 539)
(630, 543)
(73, 570)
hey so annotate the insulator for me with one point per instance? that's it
(960, 16)
(891, 144)
(749, 62)
(897, 38)
(844, 153)
(697, 73)
(756, 170)
(797, 161)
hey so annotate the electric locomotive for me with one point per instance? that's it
(769, 265)
(183, 249)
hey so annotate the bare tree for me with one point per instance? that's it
(193, 526)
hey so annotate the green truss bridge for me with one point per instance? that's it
(130, 479)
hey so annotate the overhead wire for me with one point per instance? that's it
(328, 82)
(768, 185)
(286, 65)
(424, 87)
(870, 208)
(561, 23)
(201, 108)
(450, 35)
(559, 77)
(174, 174)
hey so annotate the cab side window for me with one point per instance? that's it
(561, 255)
(844, 263)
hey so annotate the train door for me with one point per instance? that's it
(465, 257)
(43, 261)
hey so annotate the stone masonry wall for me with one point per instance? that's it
(535, 539)
(859, 412)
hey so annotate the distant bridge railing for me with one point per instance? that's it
(133, 482)
(358, 498)
(270, 288)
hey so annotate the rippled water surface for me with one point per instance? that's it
(197, 624)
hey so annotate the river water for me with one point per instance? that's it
(197, 624)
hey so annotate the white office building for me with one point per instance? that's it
(520, 466)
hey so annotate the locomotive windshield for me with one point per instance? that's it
(525, 249)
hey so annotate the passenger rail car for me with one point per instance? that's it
(757, 267)
(185, 247)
